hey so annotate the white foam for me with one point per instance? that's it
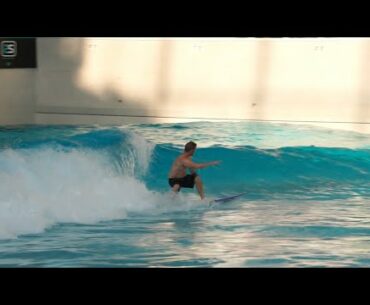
(42, 187)
(143, 151)
(137, 155)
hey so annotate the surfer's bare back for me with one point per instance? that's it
(177, 176)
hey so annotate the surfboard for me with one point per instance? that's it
(226, 199)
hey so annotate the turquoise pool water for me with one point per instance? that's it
(97, 196)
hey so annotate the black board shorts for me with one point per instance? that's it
(188, 181)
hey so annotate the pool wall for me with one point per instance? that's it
(320, 81)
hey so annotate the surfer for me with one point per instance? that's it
(177, 177)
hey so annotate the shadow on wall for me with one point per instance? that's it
(363, 115)
(261, 79)
(164, 71)
(110, 80)
(17, 96)
(59, 90)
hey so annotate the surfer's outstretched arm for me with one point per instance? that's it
(192, 165)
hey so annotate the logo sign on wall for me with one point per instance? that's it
(17, 53)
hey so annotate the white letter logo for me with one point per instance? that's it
(8, 48)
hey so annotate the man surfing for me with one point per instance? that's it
(177, 177)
